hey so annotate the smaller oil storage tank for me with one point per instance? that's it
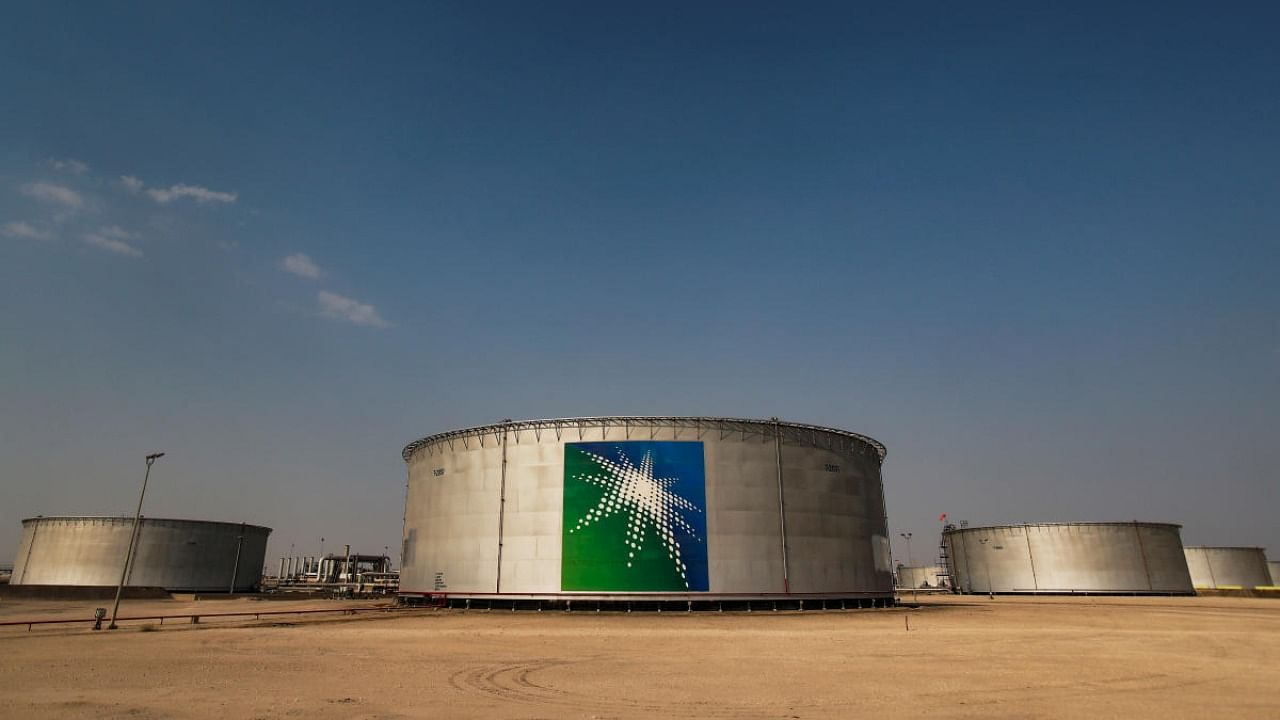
(1274, 566)
(177, 555)
(1228, 568)
(922, 577)
(1121, 558)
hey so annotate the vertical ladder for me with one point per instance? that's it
(944, 560)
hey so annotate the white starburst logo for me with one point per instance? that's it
(648, 502)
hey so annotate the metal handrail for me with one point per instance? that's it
(195, 617)
(762, 427)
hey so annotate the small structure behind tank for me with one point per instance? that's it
(922, 577)
(347, 574)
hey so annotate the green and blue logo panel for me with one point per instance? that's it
(635, 517)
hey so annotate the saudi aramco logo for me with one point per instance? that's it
(635, 517)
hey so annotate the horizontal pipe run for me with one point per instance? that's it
(646, 597)
(195, 616)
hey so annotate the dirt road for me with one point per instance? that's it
(963, 657)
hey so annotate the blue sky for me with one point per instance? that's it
(1033, 251)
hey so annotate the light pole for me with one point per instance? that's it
(235, 569)
(911, 563)
(133, 537)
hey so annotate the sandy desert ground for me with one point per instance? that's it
(963, 657)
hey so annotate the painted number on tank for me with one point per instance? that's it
(831, 468)
(438, 472)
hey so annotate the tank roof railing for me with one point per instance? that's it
(796, 432)
(128, 519)
(1223, 547)
(1110, 523)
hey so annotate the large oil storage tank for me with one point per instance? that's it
(646, 508)
(1137, 558)
(1228, 568)
(177, 555)
(922, 577)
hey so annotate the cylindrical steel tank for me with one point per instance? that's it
(1228, 568)
(921, 577)
(1274, 567)
(666, 508)
(1051, 558)
(177, 555)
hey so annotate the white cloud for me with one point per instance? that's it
(75, 167)
(195, 192)
(21, 229)
(132, 183)
(51, 193)
(338, 307)
(119, 247)
(117, 232)
(301, 265)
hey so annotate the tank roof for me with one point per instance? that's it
(604, 421)
(144, 519)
